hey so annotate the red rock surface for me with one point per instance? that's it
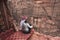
(18, 36)
(37, 36)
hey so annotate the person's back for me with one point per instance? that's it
(21, 24)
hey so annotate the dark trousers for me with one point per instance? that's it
(27, 32)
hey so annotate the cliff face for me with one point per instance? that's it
(43, 14)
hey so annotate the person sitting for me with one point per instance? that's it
(25, 26)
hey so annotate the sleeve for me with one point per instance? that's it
(29, 25)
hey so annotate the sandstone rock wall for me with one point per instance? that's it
(44, 14)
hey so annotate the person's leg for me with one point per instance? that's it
(26, 32)
(29, 30)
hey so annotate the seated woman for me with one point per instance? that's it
(26, 27)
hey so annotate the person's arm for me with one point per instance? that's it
(30, 26)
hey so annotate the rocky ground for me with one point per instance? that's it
(39, 36)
